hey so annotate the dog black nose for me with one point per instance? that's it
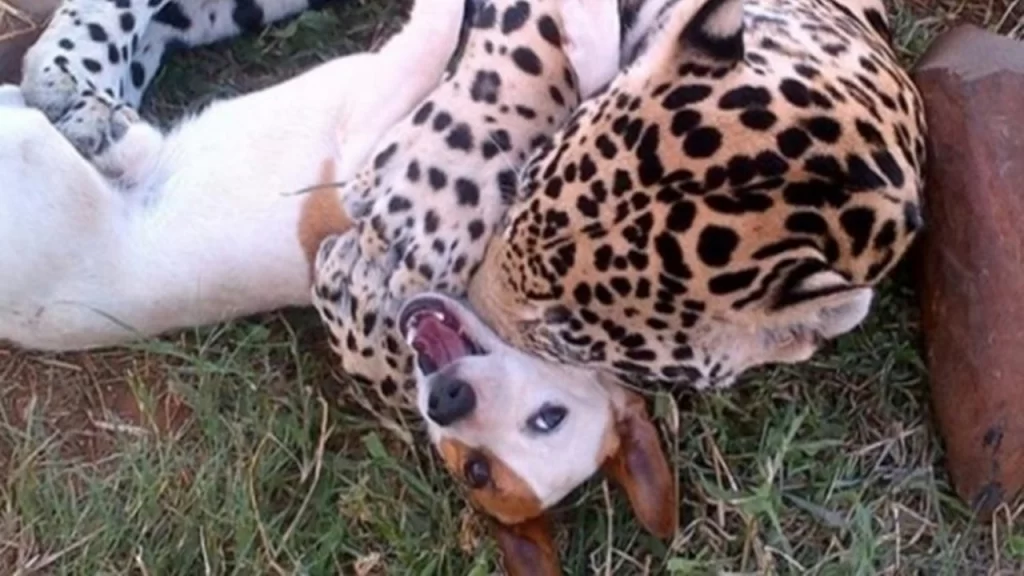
(450, 400)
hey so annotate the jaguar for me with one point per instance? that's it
(731, 199)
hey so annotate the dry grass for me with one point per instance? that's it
(1005, 17)
(213, 451)
(13, 22)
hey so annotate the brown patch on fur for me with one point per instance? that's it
(528, 549)
(322, 215)
(638, 464)
(507, 498)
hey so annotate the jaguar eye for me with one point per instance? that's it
(477, 472)
(547, 419)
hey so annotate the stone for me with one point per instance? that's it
(969, 265)
(19, 28)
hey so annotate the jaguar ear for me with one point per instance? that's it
(822, 304)
(528, 549)
(715, 31)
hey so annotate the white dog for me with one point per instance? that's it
(160, 232)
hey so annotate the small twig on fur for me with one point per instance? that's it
(106, 315)
(314, 188)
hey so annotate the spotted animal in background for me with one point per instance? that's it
(95, 59)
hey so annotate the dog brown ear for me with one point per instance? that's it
(528, 548)
(640, 467)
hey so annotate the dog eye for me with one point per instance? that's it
(547, 419)
(477, 472)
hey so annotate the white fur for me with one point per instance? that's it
(590, 30)
(726, 21)
(197, 226)
(510, 386)
(10, 96)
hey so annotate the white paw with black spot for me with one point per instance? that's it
(75, 73)
(50, 87)
(93, 123)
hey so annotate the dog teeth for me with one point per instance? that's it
(413, 323)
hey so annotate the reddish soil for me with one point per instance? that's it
(87, 400)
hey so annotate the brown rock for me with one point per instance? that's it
(971, 265)
(21, 22)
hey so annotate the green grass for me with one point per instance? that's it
(830, 468)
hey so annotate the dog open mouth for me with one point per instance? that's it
(436, 335)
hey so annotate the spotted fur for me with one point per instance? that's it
(91, 66)
(441, 181)
(730, 200)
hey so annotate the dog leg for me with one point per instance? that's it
(54, 207)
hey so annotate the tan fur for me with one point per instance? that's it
(507, 498)
(322, 215)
